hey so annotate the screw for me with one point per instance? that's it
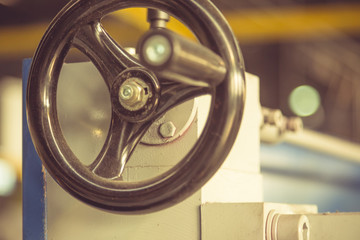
(126, 92)
(167, 130)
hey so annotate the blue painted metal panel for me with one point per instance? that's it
(33, 175)
(293, 174)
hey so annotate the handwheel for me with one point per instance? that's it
(139, 96)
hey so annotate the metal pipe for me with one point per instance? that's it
(170, 54)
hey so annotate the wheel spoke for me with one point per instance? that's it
(121, 141)
(110, 59)
(173, 94)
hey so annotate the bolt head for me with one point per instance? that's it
(167, 130)
(126, 92)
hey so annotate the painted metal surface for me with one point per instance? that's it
(34, 185)
(333, 226)
(251, 221)
(239, 178)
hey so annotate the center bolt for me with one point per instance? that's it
(133, 94)
(126, 92)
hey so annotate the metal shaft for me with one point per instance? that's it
(165, 51)
(157, 18)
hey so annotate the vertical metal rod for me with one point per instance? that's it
(157, 18)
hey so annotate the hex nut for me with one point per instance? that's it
(132, 94)
(167, 129)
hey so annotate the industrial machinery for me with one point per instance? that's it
(138, 99)
(156, 148)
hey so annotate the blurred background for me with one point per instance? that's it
(306, 53)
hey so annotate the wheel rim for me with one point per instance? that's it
(189, 174)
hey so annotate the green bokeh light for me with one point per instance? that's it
(304, 100)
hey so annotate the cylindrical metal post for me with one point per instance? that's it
(290, 227)
(169, 53)
(157, 18)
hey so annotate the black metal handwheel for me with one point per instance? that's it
(99, 184)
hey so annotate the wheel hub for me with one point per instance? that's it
(135, 94)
